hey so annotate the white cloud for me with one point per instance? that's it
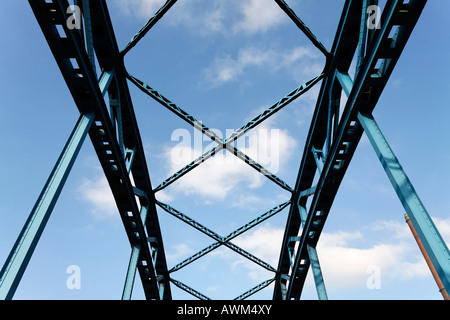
(252, 202)
(218, 176)
(302, 63)
(259, 16)
(211, 17)
(98, 194)
(225, 69)
(214, 179)
(200, 17)
(213, 289)
(265, 243)
(347, 258)
(443, 225)
(163, 196)
(141, 8)
(344, 264)
(178, 252)
(213, 20)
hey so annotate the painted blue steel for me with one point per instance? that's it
(214, 235)
(345, 81)
(21, 253)
(314, 261)
(299, 23)
(329, 148)
(189, 290)
(428, 233)
(312, 229)
(88, 32)
(318, 157)
(105, 80)
(192, 165)
(152, 265)
(87, 95)
(232, 235)
(362, 35)
(151, 22)
(235, 135)
(303, 88)
(28, 239)
(367, 76)
(133, 264)
(131, 272)
(129, 157)
(255, 289)
(210, 153)
(373, 79)
(197, 124)
(226, 143)
(259, 168)
(116, 117)
(289, 98)
(317, 273)
(343, 43)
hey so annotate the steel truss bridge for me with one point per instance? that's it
(332, 139)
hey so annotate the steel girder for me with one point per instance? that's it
(23, 249)
(331, 143)
(337, 138)
(429, 236)
(114, 135)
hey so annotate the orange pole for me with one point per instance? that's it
(427, 259)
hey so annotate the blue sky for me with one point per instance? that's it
(223, 62)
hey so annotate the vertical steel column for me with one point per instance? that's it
(132, 266)
(317, 273)
(131, 272)
(362, 35)
(23, 249)
(421, 220)
(314, 261)
(88, 31)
